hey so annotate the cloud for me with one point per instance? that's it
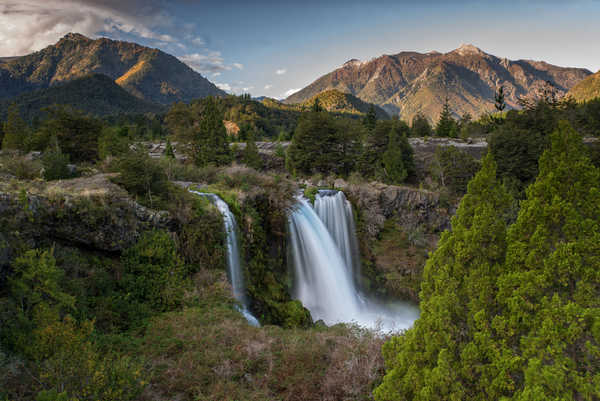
(239, 66)
(290, 92)
(30, 25)
(225, 87)
(198, 41)
(268, 86)
(210, 63)
(281, 71)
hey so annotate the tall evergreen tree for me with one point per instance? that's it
(394, 171)
(446, 126)
(370, 119)
(549, 330)
(250, 155)
(439, 358)
(420, 126)
(210, 137)
(316, 107)
(16, 131)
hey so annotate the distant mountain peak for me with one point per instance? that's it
(76, 37)
(468, 48)
(353, 63)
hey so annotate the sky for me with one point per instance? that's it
(274, 48)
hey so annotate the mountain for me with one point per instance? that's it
(96, 94)
(344, 103)
(409, 83)
(147, 73)
(587, 89)
(333, 101)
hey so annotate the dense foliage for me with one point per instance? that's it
(510, 312)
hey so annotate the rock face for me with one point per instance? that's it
(86, 212)
(147, 73)
(413, 207)
(409, 83)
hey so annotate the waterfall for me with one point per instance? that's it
(324, 256)
(234, 265)
(335, 211)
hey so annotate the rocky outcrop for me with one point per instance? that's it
(413, 207)
(89, 212)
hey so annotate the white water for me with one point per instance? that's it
(234, 264)
(324, 281)
(335, 211)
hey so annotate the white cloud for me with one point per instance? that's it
(225, 87)
(30, 25)
(290, 92)
(216, 74)
(268, 86)
(198, 41)
(206, 63)
(281, 71)
(239, 66)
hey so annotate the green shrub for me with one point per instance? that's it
(142, 176)
(56, 164)
(154, 274)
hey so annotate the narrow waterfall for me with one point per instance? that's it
(323, 252)
(335, 211)
(234, 265)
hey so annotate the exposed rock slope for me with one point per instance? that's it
(409, 83)
(147, 73)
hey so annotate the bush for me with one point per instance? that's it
(154, 273)
(454, 168)
(56, 165)
(142, 176)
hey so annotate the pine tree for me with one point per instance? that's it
(441, 357)
(370, 119)
(250, 155)
(499, 99)
(16, 132)
(549, 331)
(394, 171)
(169, 150)
(210, 137)
(316, 107)
(420, 126)
(446, 126)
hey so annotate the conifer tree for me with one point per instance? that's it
(370, 119)
(420, 126)
(440, 358)
(16, 132)
(210, 137)
(250, 155)
(446, 126)
(394, 171)
(316, 107)
(550, 338)
(169, 150)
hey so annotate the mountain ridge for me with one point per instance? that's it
(410, 83)
(147, 73)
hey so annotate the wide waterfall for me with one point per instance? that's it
(324, 252)
(234, 265)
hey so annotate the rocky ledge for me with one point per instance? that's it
(91, 212)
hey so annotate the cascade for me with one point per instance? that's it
(234, 264)
(324, 255)
(335, 211)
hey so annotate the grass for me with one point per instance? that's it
(209, 352)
